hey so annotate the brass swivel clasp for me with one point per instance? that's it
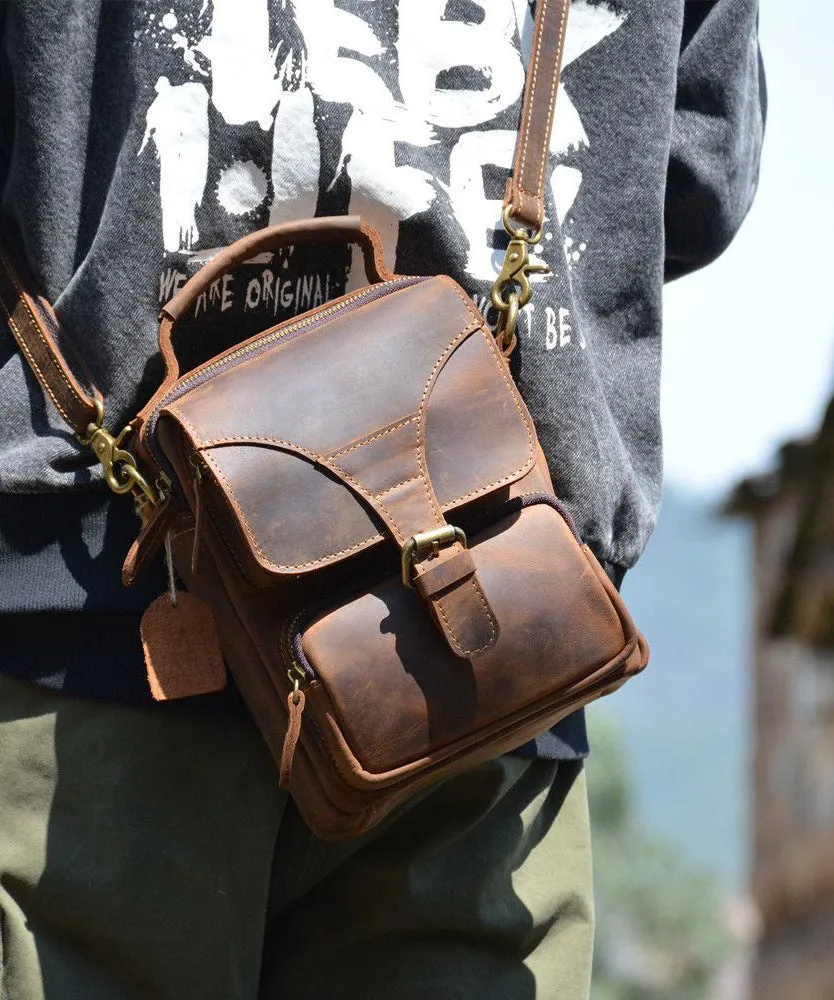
(512, 289)
(121, 473)
(516, 270)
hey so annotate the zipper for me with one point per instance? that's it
(290, 331)
(301, 673)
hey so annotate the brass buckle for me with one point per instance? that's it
(512, 289)
(425, 541)
(120, 470)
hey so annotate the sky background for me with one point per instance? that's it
(749, 341)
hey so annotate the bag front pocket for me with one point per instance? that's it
(392, 696)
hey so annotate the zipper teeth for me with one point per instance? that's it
(304, 675)
(277, 335)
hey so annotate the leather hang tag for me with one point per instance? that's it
(182, 649)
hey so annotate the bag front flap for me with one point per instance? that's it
(375, 421)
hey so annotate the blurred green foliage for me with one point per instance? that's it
(660, 931)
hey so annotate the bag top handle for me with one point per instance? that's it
(335, 228)
(328, 228)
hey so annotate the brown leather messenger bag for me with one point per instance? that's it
(397, 591)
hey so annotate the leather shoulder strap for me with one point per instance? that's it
(524, 194)
(34, 326)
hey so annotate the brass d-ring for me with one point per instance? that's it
(518, 232)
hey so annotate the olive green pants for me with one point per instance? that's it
(147, 853)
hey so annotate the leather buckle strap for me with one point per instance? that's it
(447, 580)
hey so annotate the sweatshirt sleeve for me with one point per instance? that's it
(717, 131)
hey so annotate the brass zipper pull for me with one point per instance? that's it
(197, 478)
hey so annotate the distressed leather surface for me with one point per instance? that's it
(321, 450)
(321, 455)
(34, 325)
(419, 698)
(333, 782)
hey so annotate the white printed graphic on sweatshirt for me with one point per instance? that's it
(244, 78)
(309, 76)
(241, 187)
(176, 123)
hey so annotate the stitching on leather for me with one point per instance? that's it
(422, 464)
(298, 450)
(391, 489)
(487, 610)
(421, 423)
(553, 92)
(74, 392)
(380, 264)
(468, 304)
(373, 500)
(281, 567)
(360, 304)
(533, 83)
(167, 385)
(247, 529)
(252, 439)
(501, 369)
(551, 106)
(43, 380)
(231, 498)
(374, 437)
(246, 439)
(26, 350)
(455, 637)
(452, 634)
(230, 503)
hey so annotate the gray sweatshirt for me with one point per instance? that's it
(139, 137)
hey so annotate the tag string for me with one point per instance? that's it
(169, 565)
